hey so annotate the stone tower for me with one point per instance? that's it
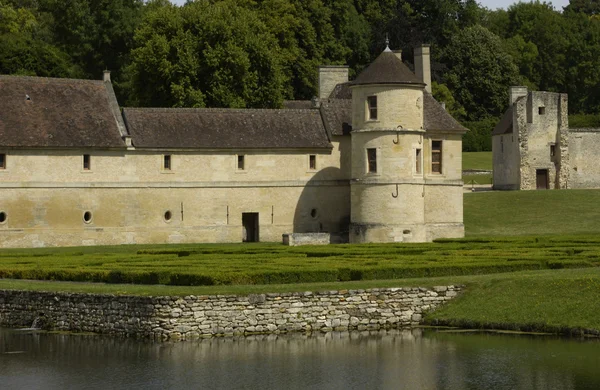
(388, 180)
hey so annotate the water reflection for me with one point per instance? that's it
(379, 360)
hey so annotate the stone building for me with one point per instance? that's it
(373, 160)
(534, 148)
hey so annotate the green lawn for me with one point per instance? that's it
(477, 160)
(509, 213)
(527, 301)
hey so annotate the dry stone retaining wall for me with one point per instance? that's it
(222, 315)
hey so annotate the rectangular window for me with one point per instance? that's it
(552, 150)
(241, 162)
(87, 164)
(312, 162)
(418, 160)
(542, 110)
(372, 160)
(2, 161)
(372, 106)
(167, 162)
(436, 156)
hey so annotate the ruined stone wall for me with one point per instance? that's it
(584, 152)
(222, 315)
(539, 120)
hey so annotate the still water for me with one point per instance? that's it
(383, 360)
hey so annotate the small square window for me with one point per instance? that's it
(2, 161)
(167, 162)
(87, 163)
(542, 110)
(418, 160)
(372, 107)
(241, 162)
(312, 162)
(372, 160)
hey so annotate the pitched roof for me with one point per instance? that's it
(387, 69)
(435, 117)
(218, 128)
(342, 91)
(62, 113)
(337, 116)
(298, 104)
(505, 124)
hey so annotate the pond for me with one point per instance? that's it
(411, 359)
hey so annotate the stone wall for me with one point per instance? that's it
(222, 315)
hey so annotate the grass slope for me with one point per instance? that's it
(477, 160)
(542, 301)
(509, 213)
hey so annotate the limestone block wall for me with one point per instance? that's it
(539, 121)
(329, 77)
(506, 161)
(584, 154)
(205, 212)
(222, 315)
(395, 107)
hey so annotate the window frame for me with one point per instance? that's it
(437, 151)
(371, 155)
(87, 162)
(241, 162)
(312, 162)
(167, 163)
(372, 108)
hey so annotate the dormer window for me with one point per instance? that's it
(372, 108)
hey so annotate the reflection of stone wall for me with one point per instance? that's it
(204, 316)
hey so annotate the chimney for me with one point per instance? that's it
(329, 77)
(423, 66)
(516, 92)
(106, 76)
(398, 54)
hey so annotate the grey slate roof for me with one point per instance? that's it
(505, 124)
(337, 116)
(387, 69)
(298, 104)
(435, 117)
(217, 128)
(342, 91)
(61, 113)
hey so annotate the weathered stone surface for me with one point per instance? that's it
(192, 317)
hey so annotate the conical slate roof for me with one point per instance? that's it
(387, 69)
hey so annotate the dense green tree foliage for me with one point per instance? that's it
(257, 53)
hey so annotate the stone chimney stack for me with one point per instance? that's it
(329, 77)
(106, 76)
(516, 92)
(423, 66)
(398, 54)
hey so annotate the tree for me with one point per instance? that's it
(204, 54)
(480, 72)
(23, 51)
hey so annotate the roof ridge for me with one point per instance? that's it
(216, 109)
(50, 79)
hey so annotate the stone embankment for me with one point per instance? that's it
(222, 315)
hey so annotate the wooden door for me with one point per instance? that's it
(541, 179)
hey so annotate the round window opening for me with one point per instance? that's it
(2, 217)
(313, 213)
(168, 215)
(87, 217)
